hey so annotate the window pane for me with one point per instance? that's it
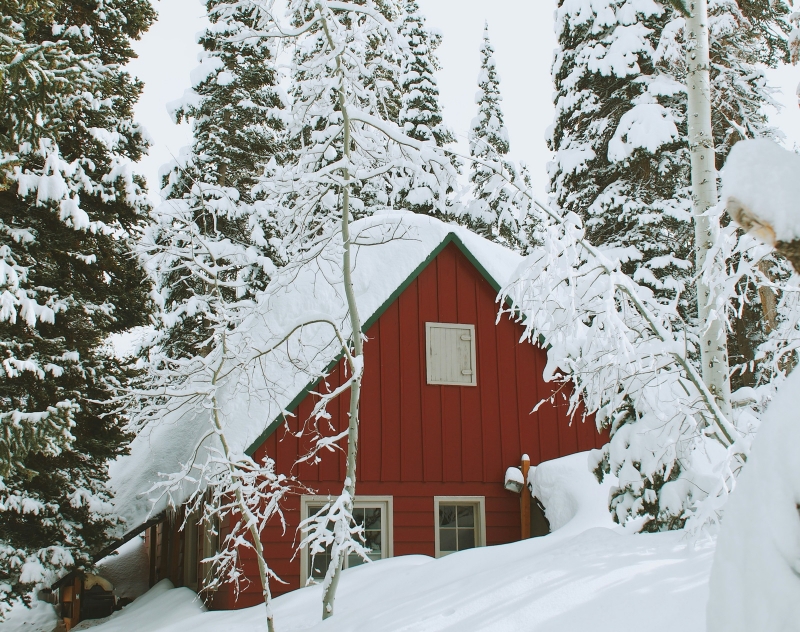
(372, 518)
(447, 540)
(313, 510)
(466, 539)
(466, 516)
(354, 560)
(447, 516)
(319, 565)
(373, 543)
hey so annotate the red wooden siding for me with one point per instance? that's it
(419, 441)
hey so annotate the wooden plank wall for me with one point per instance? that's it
(419, 441)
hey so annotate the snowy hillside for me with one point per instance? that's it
(565, 581)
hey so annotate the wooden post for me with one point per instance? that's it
(525, 499)
(72, 596)
(153, 541)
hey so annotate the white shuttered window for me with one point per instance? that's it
(450, 354)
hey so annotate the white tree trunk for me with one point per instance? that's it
(714, 345)
(356, 359)
(243, 508)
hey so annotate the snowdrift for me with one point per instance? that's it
(587, 574)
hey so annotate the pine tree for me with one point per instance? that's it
(622, 161)
(494, 213)
(629, 185)
(420, 115)
(235, 108)
(69, 214)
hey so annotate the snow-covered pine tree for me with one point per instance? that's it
(69, 214)
(40, 78)
(420, 115)
(212, 247)
(622, 164)
(211, 219)
(746, 36)
(619, 160)
(493, 213)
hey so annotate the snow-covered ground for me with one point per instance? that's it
(587, 574)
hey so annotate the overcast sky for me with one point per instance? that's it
(522, 35)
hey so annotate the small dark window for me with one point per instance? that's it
(457, 528)
(371, 517)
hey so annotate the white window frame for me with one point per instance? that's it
(428, 365)
(479, 502)
(386, 503)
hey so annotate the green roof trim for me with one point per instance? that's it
(451, 238)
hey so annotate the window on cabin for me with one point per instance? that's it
(450, 354)
(459, 524)
(373, 516)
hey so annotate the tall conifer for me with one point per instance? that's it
(420, 115)
(69, 212)
(235, 110)
(622, 157)
(493, 213)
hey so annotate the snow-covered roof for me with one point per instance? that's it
(390, 249)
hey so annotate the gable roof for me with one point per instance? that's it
(389, 251)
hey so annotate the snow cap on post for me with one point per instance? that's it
(761, 193)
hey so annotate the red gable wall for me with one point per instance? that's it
(419, 441)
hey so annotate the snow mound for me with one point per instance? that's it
(563, 581)
(128, 570)
(548, 584)
(40, 617)
(570, 493)
(761, 181)
(755, 580)
(163, 608)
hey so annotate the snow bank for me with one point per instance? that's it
(388, 248)
(570, 493)
(755, 581)
(761, 180)
(598, 580)
(164, 607)
(580, 577)
(40, 617)
(128, 570)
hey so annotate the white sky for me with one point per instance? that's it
(521, 33)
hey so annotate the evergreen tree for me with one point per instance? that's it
(235, 108)
(493, 214)
(620, 162)
(420, 115)
(69, 213)
(622, 157)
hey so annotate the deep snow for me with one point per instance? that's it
(586, 575)
(755, 580)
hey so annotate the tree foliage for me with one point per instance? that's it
(622, 165)
(69, 214)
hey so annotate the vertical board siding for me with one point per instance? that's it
(420, 440)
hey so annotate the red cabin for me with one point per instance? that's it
(447, 406)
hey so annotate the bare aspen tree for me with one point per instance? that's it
(713, 340)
